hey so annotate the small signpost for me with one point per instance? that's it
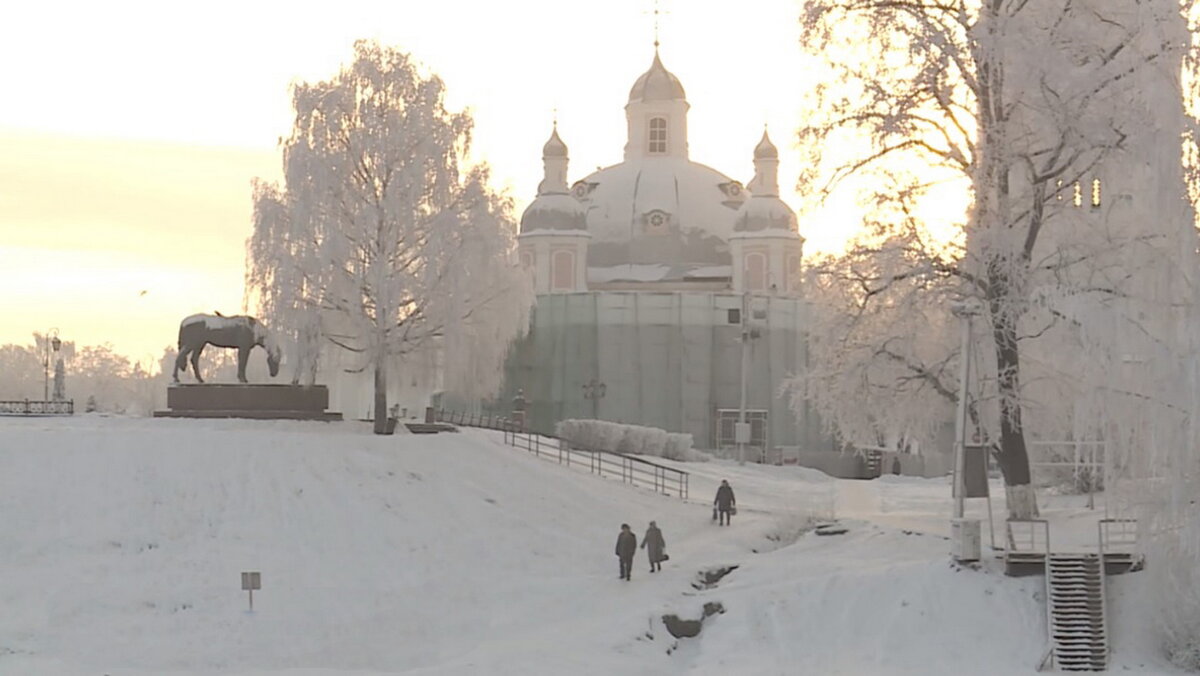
(250, 582)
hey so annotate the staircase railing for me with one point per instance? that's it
(1023, 537)
(627, 468)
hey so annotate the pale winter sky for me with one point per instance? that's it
(131, 130)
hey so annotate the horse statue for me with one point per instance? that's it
(242, 332)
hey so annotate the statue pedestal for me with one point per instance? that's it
(248, 400)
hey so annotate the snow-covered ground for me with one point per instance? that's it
(122, 541)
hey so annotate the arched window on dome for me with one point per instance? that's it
(755, 271)
(562, 271)
(658, 136)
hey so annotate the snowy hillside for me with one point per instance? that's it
(122, 541)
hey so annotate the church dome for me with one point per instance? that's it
(657, 84)
(661, 210)
(554, 211)
(765, 213)
(765, 150)
(555, 146)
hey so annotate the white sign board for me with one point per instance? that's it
(741, 433)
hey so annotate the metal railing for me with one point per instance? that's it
(29, 407)
(490, 422)
(1117, 536)
(630, 470)
(1023, 537)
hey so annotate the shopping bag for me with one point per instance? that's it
(714, 513)
(733, 511)
(665, 557)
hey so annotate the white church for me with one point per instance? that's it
(646, 272)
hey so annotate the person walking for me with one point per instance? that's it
(725, 503)
(626, 548)
(654, 545)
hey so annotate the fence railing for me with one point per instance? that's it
(1028, 536)
(30, 407)
(631, 470)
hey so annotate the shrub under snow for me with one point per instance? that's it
(601, 435)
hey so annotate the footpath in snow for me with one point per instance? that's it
(122, 543)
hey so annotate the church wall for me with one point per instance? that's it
(667, 360)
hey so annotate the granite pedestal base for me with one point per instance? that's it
(248, 400)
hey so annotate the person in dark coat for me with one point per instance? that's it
(724, 502)
(626, 548)
(654, 545)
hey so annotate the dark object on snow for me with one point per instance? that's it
(831, 529)
(626, 548)
(707, 579)
(429, 428)
(896, 465)
(725, 503)
(680, 628)
(242, 332)
(654, 544)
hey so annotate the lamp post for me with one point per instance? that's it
(966, 311)
(741, 432)
(594, 391)
(51, 341)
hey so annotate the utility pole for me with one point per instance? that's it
(741, 432)
(960, 418)
(964, 533)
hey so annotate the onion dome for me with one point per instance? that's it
(657, 84)
(555, 146)
(765, 150)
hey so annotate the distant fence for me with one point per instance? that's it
(28, 407)
(631, 470)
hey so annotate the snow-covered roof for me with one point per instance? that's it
(651, 272)
(554, 211)
(710, 272)
(657, 84)
(763, 213)
(628, 273)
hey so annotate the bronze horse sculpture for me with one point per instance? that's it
(242, 332)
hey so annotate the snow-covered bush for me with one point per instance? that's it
(602, 435)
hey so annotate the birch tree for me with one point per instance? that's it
(383, 235)
(1022, 105)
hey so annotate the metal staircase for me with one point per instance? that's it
(1076, 611)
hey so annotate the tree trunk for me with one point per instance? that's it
(1013, 455)
(381, 408)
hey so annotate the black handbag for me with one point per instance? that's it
(665, 557)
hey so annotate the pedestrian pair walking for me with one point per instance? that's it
(652, 542)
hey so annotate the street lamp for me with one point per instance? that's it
(594, 391)
(51, 341)
(741, 429)
(966, 311)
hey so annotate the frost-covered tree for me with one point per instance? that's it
(383, 241)
(1023, 105)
